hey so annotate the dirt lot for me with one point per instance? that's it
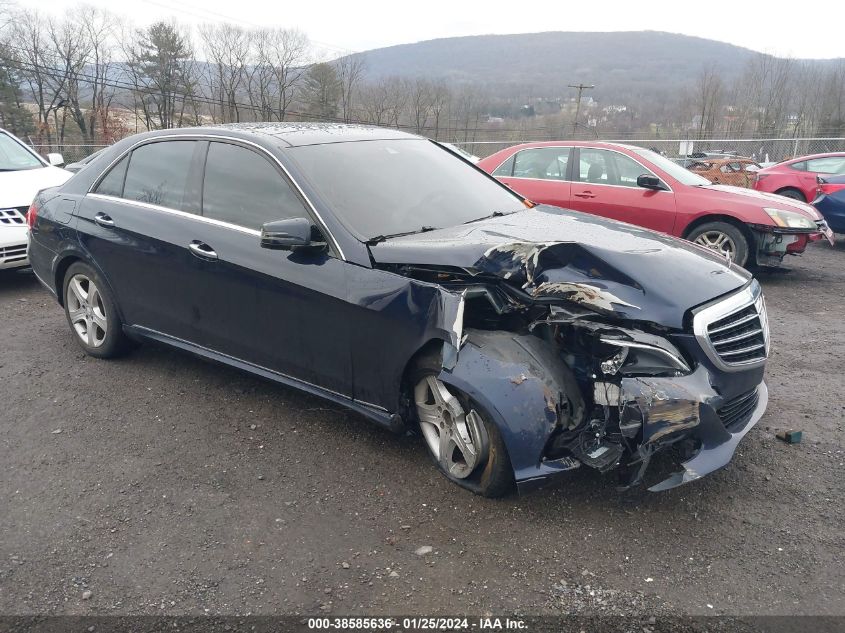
(162, 484)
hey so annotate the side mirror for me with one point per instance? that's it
(647, 181)
(289, 234)
(56, 160)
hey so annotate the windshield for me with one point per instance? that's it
(681, 174)
(388, 187)
(14, 156)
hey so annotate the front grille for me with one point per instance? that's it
(735, 332)
(739, 337)
(736, 412)
(10, 254)
(13, 217)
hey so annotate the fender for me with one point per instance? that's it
(525, 389)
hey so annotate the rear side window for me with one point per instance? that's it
(546, 163)
(829, 165)
(112, 184)
(802, 166)
(242, 187)
(158, 173)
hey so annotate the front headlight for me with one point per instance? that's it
(634, 358)
(789, 219)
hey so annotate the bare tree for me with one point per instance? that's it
(350, 70)
(707, 95)
(227, 48)
(276, 68)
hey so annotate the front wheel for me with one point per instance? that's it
(464, 444)
(724, 238)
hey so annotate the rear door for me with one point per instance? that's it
(605, 183)
(541, 174)
(134, 226)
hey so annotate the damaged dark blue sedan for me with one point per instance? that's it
(380, 271)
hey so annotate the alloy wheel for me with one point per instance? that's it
(719, 242)
(86, 311)
(456, 437)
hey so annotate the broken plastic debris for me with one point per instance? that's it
(790, 437)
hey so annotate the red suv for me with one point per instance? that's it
(641, 187)
(796, 177)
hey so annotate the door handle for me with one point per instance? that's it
(103, 220)
(202, 250)
(586, 194)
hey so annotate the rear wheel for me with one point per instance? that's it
(91, 313)
(464, 444)
(724, 238)
(792, 193)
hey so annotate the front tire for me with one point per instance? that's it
(459, 436)
(724, 238)
(91, 313)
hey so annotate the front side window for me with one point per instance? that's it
(15, 157)
(594, 166)
(506, 168)
(158, 174)
(627, 170)
(829, 165)
(242, 187)
(545, 163)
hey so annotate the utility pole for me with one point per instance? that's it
(580, 88)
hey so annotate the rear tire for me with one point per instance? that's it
(792, 193)
(489, 472)
(724, 238)
(91, 313)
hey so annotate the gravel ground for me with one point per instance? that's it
(162, 484)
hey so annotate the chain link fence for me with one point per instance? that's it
(770, 150)
(72, 153)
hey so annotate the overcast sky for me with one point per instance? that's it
(814, 30)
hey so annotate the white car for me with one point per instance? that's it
(23, 173)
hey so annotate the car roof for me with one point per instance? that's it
(291, 134)
(798, 159)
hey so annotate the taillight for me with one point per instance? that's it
(759, 177)
(31, 214)
(827, 188)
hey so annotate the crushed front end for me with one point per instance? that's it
(619, 390)
(699, 390)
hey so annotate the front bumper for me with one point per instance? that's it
(715, 451)
(13, 247)
(773, 244)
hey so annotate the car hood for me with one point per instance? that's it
(18, 188)
(550, 253)
(763, 199)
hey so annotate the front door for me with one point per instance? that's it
(281, 310)
(605, 183)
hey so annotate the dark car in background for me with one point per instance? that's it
(637, 185)
(830, 201)
(378, 270)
